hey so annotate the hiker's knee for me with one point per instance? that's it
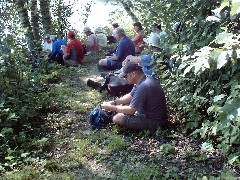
(118, 119)
(102, 62)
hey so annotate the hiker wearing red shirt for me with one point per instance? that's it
(73, 52)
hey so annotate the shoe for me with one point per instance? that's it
(94, 85)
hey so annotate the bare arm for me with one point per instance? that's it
(120, 105)
(65, 55)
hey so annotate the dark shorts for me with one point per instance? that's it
(113, 64)
(139, 122)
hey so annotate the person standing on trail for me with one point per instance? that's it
(144, 108)
(73, 52)
(125, 47)
(92, 44)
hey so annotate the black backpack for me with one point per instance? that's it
(116, 86)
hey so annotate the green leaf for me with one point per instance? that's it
(7, 131)
(24, 155)
(9, 158)
(207, 147)
(223, 38)
(12, 116)
(214, 129)
(219, 97)
(2, 101)
(202, 157)
(235, 8)
(222, 59)
(233, 138)
(232, 158)
(188, 69)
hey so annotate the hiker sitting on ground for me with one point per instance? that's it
(144, 108)
(73, 52)
(125, 48)
(102, 38)
(91, 44)
(47, 46)
(57, 52)
(146, 60)
(111, 39)
(157, 30)
(138, 39)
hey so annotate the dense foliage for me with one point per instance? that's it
(26, 94)
(203, 87)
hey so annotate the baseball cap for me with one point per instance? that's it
(71, 34)
(130, 67)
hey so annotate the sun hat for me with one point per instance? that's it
(86, 29)
(130, 67)
(98, 29)
(71, 34)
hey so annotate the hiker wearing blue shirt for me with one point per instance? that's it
(125, 47)
(145, 60)
(57, 53)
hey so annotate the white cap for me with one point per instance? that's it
(86, 29)
(98, 29)
(153, 40)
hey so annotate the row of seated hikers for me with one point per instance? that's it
(94, 43)
(143, 104)
(70, 54)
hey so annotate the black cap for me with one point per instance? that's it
(130, 67)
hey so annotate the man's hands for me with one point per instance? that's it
(108, 106)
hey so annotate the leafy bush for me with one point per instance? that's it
(203, 87)
(26, 98)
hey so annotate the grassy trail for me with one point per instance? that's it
(77, 152)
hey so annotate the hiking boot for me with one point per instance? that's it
(94, 85)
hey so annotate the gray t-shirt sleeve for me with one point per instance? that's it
(138, 97)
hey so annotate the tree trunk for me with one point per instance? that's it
(23, 14)
(35, 20)
(127, 6)
(46, 16)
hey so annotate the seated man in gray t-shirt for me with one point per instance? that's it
(144, 108)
